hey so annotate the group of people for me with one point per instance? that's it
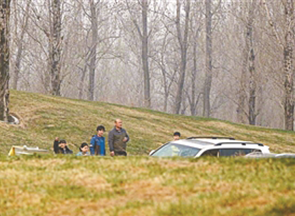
(117, 141)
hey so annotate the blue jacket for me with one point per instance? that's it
(81, 154)
(97, 145)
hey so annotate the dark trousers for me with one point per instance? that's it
(120, 153)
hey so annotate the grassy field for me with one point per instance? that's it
(146, 186)
(45, 117)
(138, 184)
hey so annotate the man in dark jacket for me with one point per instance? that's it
(118, 139)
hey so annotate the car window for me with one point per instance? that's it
(213, 152)
(171, 150)
(228, 152)
(235, 152)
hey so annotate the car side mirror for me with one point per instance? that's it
(152, 151)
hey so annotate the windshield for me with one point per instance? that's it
(171, 150)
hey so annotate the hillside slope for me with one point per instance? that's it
(136, 185)
(44, 117)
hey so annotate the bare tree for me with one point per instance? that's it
(20, 44)
(145, 59)
(208, 79)
(248, 82)
(183, 42)
(143, 33)
(164, 58)
(286, 44)
(55, 41)
(4, 59)
(252, 82)
(94, 31)
(195, 28)
(288, 65)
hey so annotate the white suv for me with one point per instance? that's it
(209, 146)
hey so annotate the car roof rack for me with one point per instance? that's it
(242, 143)
(210, 137)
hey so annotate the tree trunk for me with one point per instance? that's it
(288, 101)
(4, 59)
(144, 55)
(194, 74)
(242, 95)
(92, 65)
(208, 79)
(241, 111)
(81, 89)
(288, 67)
(252, 89)
(166, 90)
(287, 45)
(183, 49)
(20, 48)
(252, 81)
(55, 51)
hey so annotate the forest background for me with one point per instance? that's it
(227, 59)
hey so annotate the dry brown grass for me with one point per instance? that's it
(144, 186)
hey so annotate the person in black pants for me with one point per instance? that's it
(118, 139)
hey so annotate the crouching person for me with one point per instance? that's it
(60, 147)
(84, 150)
(97, 143)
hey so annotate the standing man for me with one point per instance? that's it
(118, 139)
(97, 143)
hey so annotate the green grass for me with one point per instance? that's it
(45, 117)
(55, 185)
(136, 185)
